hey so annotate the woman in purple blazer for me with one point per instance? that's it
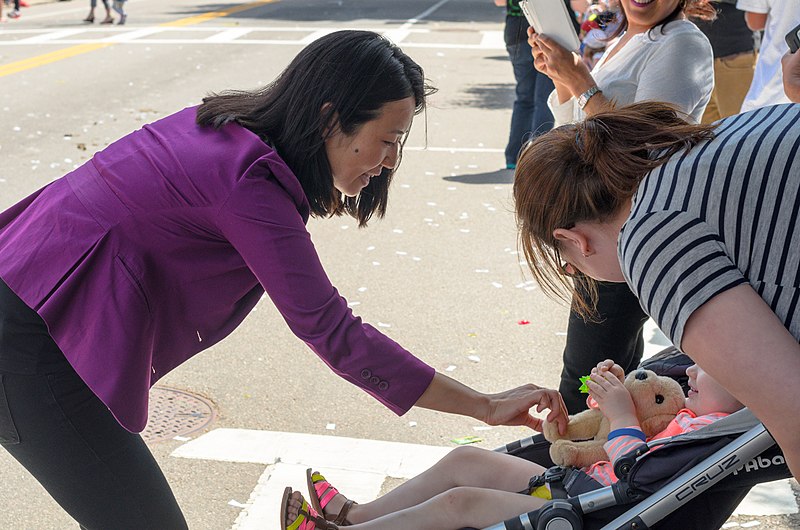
(162, 243)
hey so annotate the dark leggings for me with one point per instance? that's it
(102, 475)
(617, 335)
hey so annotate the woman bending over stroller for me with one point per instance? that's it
(473, 487)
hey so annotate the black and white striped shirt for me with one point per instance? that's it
(723, 214)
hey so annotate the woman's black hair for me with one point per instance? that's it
(341, 80)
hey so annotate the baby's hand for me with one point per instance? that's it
(610, 366)
(612, 397)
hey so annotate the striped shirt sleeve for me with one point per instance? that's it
(674, 262)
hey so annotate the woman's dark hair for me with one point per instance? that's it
(341, 80)
(699, 8)
(586, 171)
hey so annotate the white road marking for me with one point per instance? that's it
(153, 35)
(399, 35)
(229, 35)
(355, 466)
(51, 36)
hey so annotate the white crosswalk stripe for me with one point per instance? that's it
(481, 40)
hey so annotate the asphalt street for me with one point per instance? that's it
(440, 274)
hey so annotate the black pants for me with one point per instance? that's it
(102, 475)
(617, 335)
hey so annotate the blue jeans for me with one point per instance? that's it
(530, 116)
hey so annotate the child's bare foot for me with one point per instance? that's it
(293, 506)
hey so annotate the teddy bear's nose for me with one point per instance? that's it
(641, 375)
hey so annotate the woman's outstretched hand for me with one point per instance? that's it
(512, 407)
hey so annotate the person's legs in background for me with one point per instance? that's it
(711, 114)
(530, 113)
(542, 117)
(616, 334)
(732, 78)
(524, 100)
(15, 11)
(119, 7)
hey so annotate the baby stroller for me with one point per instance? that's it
(694, 481)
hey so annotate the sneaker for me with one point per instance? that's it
(122, 20)
(511, 166)
(15, 14)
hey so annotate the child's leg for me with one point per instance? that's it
(464, 466)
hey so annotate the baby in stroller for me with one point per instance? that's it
(473, 487)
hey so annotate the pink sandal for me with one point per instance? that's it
(320, 493)
(307, 517)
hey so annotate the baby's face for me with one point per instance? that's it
(706, 395)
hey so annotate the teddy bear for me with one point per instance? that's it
(657, 400)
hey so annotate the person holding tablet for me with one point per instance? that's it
(656, 54)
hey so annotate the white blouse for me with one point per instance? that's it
(675, 67)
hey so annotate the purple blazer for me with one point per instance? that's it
(160, 245)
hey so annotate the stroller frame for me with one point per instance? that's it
(566, 514)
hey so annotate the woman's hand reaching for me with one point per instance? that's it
(512, 407)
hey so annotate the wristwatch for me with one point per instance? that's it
(584, 98)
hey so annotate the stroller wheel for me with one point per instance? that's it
(559, 516)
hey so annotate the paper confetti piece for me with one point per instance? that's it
(474, 358)
(450, 368)
(523, 322)
(466, 440)
(584, 388)
(331, 426)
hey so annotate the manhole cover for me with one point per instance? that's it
(174, 413)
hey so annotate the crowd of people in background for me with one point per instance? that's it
(746, 37)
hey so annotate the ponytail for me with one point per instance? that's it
(586, 172)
